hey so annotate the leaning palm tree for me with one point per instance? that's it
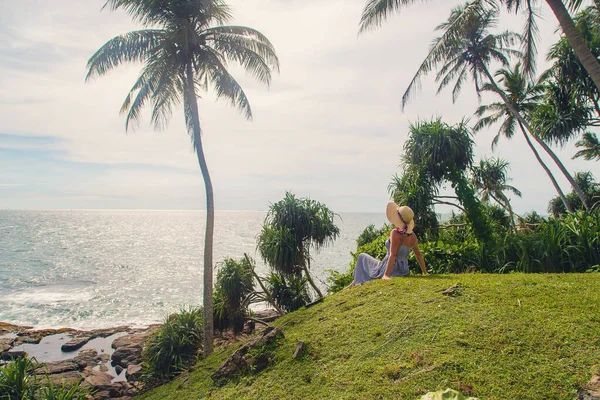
(377, 11)
(590, 147)
(465, 49)
(184, 52)
(490, 178)
(443, 153)
(523, 97)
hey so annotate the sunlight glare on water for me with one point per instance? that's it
(93, 268)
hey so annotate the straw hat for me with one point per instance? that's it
(401, 216)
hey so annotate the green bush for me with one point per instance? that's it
(290, 292)
(24, 379)
(567, 244)
(446, 258)
(370, 233)
(570, 243)
(174, 346)
(17, 379)
(232, 295)
(49, 391)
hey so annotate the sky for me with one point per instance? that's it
(329, 127)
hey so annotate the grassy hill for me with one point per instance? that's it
(514, 336)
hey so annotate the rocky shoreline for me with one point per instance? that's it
(107, 360)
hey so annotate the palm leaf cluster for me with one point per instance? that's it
(465, 49)
(438, 148)
(590, 147)
(179, 38)
(571, 103)
(292, 227)
(234, 292)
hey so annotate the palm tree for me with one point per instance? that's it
(466, 47)
(581, 49)
(377, 11)
(292, 227)
(440, 152)
(490, 178)
(590, 147)
(183, 52)
(524, 98)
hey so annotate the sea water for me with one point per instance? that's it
(91, 269)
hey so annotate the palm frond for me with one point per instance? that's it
(256, 57)
(209, 64)
(590, 147)
(168, 12)
(377, 11)
(531, 35)
(130, 47)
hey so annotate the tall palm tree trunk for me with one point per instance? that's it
(537, 156)
(506, 205)
(525, 124)
(582, 51)
(576, 187)
(210, 216)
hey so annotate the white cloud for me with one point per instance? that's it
(329, 126)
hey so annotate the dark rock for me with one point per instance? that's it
(267, 315)
(591, 391)
(105, 394)
(241, 360)
(88, 358)
(133, 339)
(35, 337)
(5, 327)
(126, 355)
(66, 378)
(110, 331)
(134, 372)
(118, 369)
(75, 343)
(98, 379)
(6, 345)
(128, 349)
(12, 354)
(299, 348)
(61, 366)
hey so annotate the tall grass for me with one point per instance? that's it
(570, 243)
(24, 379)
(174, 346)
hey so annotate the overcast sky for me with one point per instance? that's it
(329, 127)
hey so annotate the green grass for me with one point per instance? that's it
(513, 336)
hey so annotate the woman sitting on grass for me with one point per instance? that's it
(402, 240)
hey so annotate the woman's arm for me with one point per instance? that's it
(394, 244)
(420, 258)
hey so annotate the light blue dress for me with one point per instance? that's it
(369, 268)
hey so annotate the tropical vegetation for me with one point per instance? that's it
(293, 227)
(175, 346)
(23, 378)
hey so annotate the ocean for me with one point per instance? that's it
(89, 269)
